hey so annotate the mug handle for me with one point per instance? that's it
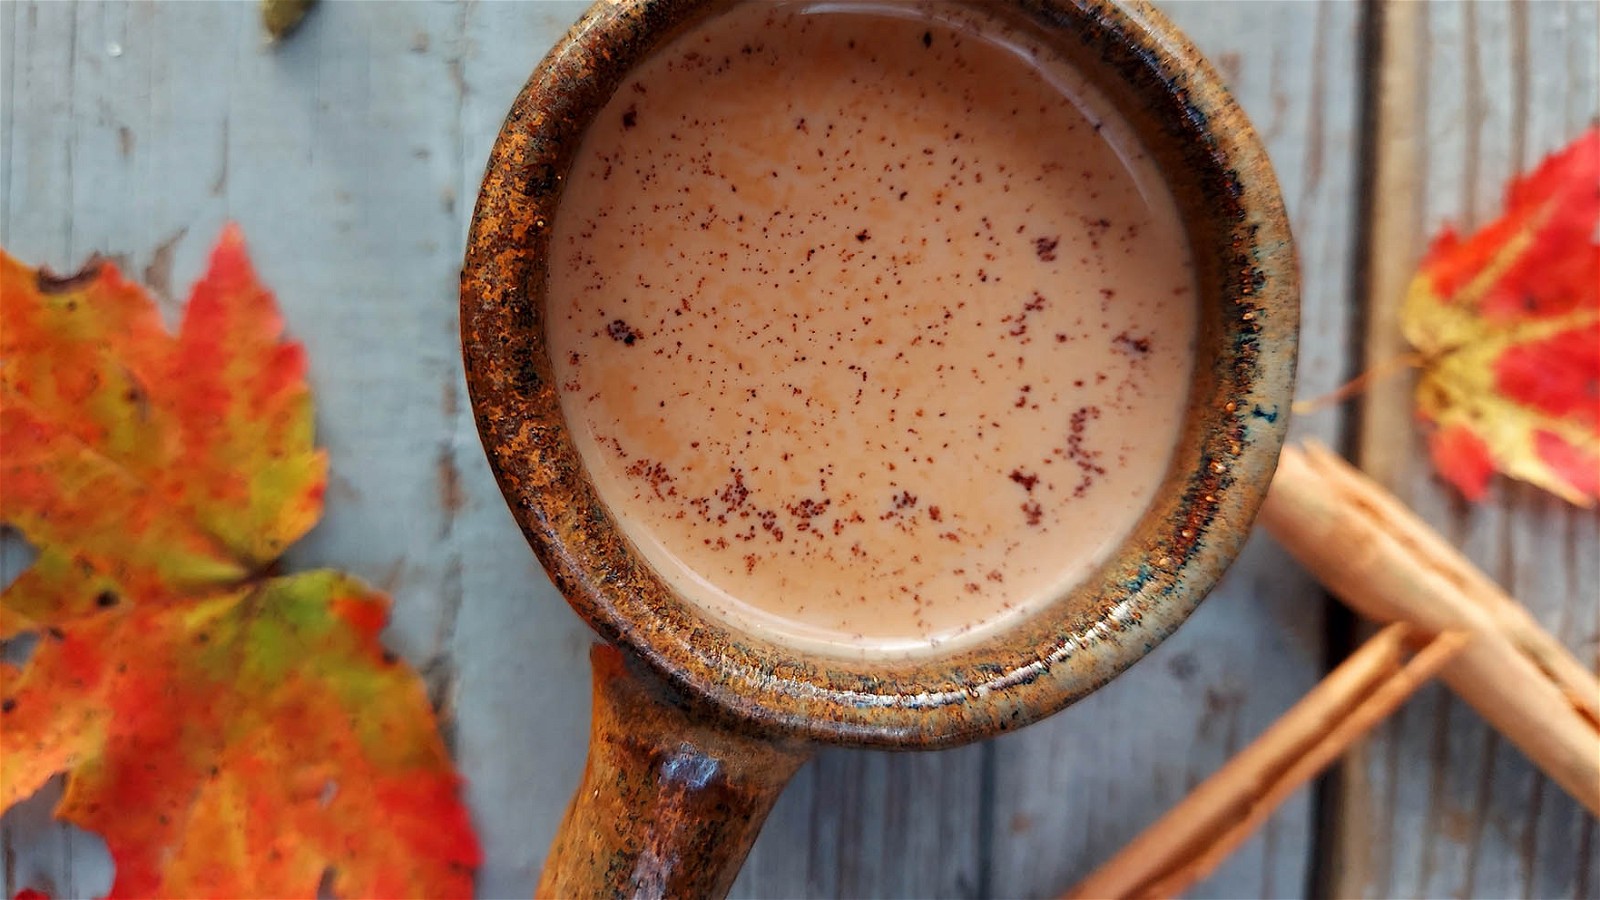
(668, 805)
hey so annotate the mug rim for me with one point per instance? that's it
(1017, 674)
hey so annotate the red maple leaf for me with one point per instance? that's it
(1507, 322)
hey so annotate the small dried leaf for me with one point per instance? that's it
(281, 17)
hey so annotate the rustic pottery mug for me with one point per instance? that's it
(698, 725)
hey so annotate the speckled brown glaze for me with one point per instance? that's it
(1238, 408)
(668, 806)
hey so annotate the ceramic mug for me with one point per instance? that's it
(697, 726)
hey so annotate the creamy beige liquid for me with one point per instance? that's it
(874, 329)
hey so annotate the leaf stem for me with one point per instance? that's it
(1359, 383)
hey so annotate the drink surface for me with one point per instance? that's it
(872, 324)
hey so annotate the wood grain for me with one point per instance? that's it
(1471, 94)
(135, 131)
(351, 155)
(1071, 791)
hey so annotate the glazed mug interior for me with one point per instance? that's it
(698, 725)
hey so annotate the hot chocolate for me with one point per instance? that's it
(873, 324)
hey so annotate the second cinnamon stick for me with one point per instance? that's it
(1383, 561)
(1197, 834)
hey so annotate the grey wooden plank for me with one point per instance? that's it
(9, 73)
(190, 121)
(136, 130)
(1051, 797)
(1073, 790)
(859, 824)
(42, 47)
(1501, 84)
(873, 824)
(521, 654)
(351, 155)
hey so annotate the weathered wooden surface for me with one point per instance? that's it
(1474, 93)
(1073, 790)
(351, 155)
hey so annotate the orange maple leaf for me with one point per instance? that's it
(227, 732)
(139, 463)
(1508, 325)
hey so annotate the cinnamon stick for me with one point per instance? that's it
(1387, 564)
(1193, 838)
